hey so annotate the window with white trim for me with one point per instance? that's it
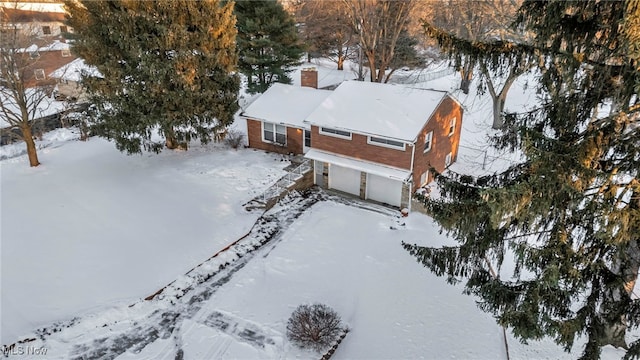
(39, 74)
(428, 141)
(274, 133)
(424, 178)
(447, 160)
(335, 132)
(452, 126)
(385, 142)
(66, 52)
(63, 29)
(46, 30)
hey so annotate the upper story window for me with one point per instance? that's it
(447, 160)
(428, 141)
(335, 132)
(64, 29)
(39, 74)
(274, 133)
(452, 126)
(66, 52)
(385, 142)
(46, 30)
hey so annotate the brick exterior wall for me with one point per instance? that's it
(309, 78)
(358, 148)
(295, 139)
(442, 143)
(49, 61)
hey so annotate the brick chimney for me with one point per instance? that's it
(309, 77)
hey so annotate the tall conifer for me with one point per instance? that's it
(167, 66)
(568, 215)
(267, 42)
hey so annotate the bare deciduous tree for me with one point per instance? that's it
(24, 94)
(327, 30)
(379, 24)
(475, 21)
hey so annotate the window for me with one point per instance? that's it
(447, 160)
(66, 52)
(385, 142)
(46, 30)
(307, 138)
(274, 133)
(452, 126)
(39, 73)
(336, 133)
(428, 141)
(63, 29)
(424, 178)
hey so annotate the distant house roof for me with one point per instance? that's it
(392, 111)
(73, 71)
(14, 15)
(55, 45)
(287, 104)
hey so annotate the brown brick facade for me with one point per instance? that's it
(358, 148)
(295, 138)
(442, 143)
(309, 78)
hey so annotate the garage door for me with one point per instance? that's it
(344, 179)
(384, 189)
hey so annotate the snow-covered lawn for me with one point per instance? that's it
(92, 228)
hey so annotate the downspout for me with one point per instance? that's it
(413, 155)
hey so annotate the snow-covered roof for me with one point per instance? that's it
(73, 71)
(56, 45)
(357, 164)
(286, 104)
(392, 111)
(326, 76)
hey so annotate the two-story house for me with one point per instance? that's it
(375, 141)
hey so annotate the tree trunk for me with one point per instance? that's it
(498, 109)
(31, 146)
(467, 75)
(171, 142)
(340, 62)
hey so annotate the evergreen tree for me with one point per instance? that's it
(569, 213)
(167, 66)
(267, 42)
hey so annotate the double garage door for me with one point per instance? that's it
(379, 188)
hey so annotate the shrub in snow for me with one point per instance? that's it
(314, 326)
(234, 138)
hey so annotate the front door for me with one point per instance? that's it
(306, 141)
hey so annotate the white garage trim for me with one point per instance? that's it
(357, 164)
(383, 189)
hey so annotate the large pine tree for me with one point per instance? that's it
(267, 42)
(568, 215)
(167, 66)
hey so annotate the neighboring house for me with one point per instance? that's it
(376, 141)
(29, 22)
(68, 79)
(275, 119)
(38, 62)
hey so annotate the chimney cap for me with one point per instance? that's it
(311, 68)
